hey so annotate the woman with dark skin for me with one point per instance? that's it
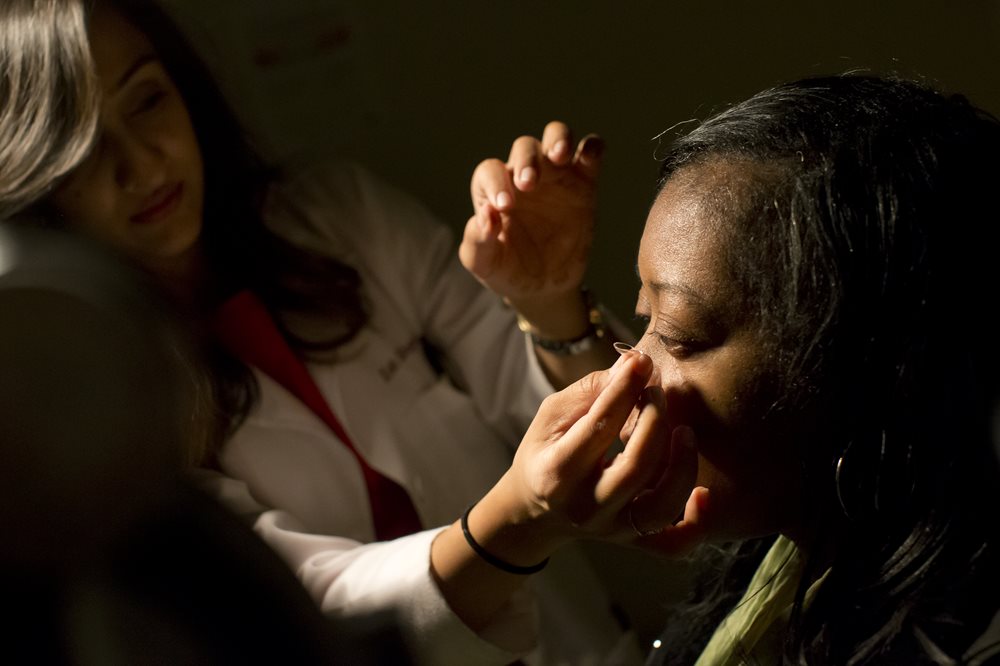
(818, 273)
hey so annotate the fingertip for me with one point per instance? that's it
(503, 200)
(653, 393)
(488, 222)
(696, 506)
(684, 436)
(559, 153)
(643, 364)
(526, 179)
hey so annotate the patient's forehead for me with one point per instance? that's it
(701, 220)
(709, 198)
(681, 242)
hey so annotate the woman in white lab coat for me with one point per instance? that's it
(363, 387)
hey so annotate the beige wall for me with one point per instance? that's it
(421, 91)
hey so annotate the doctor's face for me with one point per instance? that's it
(710, 357)
(141, 188)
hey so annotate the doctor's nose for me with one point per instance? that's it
(140, 167)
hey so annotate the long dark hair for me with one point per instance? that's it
(242, 252)
(868, 258)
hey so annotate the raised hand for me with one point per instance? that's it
(530, 235)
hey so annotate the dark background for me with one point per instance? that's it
(421, 91)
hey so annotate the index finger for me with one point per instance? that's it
(524, 162)
(491, 185)
(598, 428)
(557, 143)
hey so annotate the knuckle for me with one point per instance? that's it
(487, 166)
(590, 383)
(550, 405)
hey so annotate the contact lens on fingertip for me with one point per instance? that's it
(626, 349)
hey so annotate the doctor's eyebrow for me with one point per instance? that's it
(138, 64)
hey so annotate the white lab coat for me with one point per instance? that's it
(445, 438)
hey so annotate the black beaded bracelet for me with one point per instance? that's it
(493, 559)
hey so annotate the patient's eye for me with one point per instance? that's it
(670, 339)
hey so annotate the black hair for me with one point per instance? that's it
(867, 255)
(242, 252)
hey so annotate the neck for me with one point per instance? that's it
(185, 278)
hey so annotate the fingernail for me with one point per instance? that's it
(642, 360)
(503, 200)
(559, 149)
(527, 175)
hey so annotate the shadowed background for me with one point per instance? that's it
(420, 92)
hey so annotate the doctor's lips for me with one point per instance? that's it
(160, 204)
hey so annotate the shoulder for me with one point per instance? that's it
(341, 183)
(346, 200)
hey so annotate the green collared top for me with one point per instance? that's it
(752, 633)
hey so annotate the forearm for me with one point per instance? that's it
(475, 589)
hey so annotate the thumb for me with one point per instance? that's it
(588, 155)
(480, 249)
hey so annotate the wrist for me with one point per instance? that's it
(556, 317)
(565, 325)
(493, 560)
(509, 531)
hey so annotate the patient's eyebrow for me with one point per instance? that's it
(672, 287)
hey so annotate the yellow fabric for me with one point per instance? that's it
(752, 633)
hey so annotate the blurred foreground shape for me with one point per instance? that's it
(112, 556)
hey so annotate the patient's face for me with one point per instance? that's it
(710, 359)
(141, 188)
